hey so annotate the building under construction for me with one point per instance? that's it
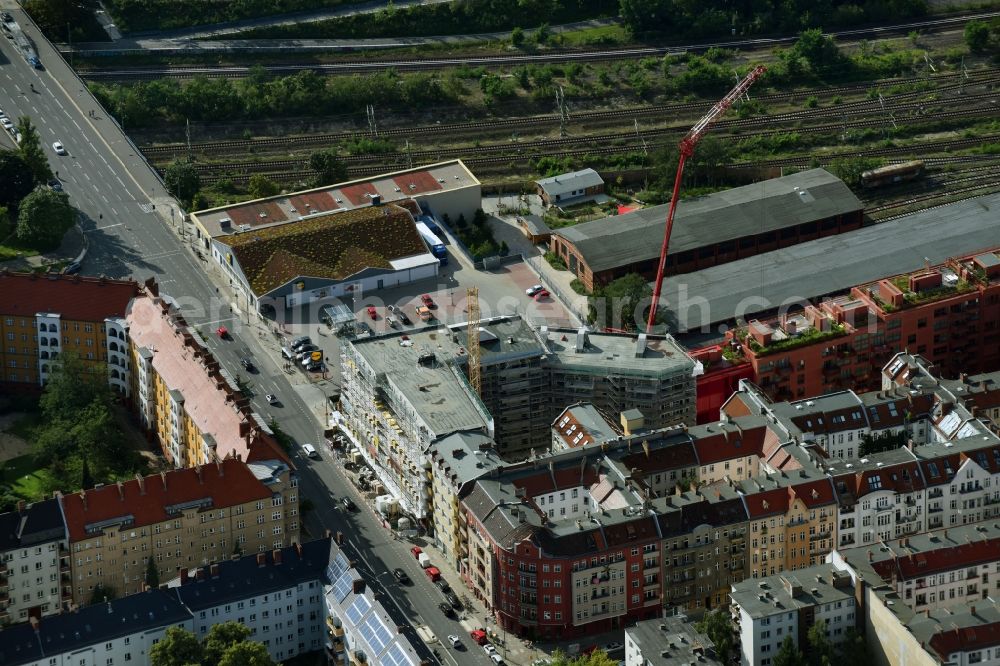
(402, 392)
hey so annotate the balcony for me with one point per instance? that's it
(63, 566)
(935, 493)
(600, 595)
(3, 568)
(650, 564)
(335, 629)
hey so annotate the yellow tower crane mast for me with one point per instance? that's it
(475, 361)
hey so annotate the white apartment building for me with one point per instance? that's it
(770, 609)
(668, 641)
(34, 565)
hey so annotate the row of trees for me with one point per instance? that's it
(259, 95)
(716, 18)
(31, 215)
(227, 644)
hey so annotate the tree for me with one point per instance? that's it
(595, 658)
(152, 573)
(977, 36)
(178, 647)
(17, 179)
(261, 186)
(853, 650)
(517, 37)
(6, 226)
(102, 593)
(247, 653)
(182, 180)
(820, 647)
(718, 626)
(30, 150)
(328, 166)
(44, 218)
(54, 16)
(221, 637)
(616, 305)
(849, 169)
(819, 50)
(789, 654)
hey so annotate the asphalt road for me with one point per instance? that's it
(115, 192)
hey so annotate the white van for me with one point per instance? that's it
(310, 450)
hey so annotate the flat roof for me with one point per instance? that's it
(391, 187)
(749, 210)
(763, 597)
(662, 356)
(672, 641)
(432, 386)
(830, 265)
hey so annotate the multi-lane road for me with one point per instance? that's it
(129, 221)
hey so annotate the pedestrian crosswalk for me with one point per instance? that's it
(147, 207)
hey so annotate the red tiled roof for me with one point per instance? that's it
(964, 639)
(356, 193)
(776, 502)
(826, 422)
(312, 201)
(735, 406)
(813, 493)
(569, 477)
(250, 214)
(74, 297)
(916, 565)
(673, 456)
(901, 478)
(227, 483)
(417, 182)
(718, 447)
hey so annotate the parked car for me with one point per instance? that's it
(543, 294)
(613, 646)
(531, 291)
(305, 350)
(416, 551)
(315, 366)
(443, 584)
(310, 450)
(488, 647)
(348, 504)
(455, 641)
(401, 576)
(424, 313)
(479, 637)
(372, 313)
(55, 185)
(222, 332)
(362, 329)
(248, 365)
(299, 342)
(446, 609)
(497, 659)
(287, 353)
(403, 318)
(310, 359)
(428, 301)
(453, 600)
(433, 573)
(6, 123)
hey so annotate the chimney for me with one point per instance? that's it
(276, 556)
(197, 469)
(261, 559)
(871, 556)
(163, 477)
(972, 611)
(83, 498)
(199, 574)
(142, 483)
(340, 538)
(213, 570)
(244, 428)
(359, 586)
(298, 549)
(121, 491)
(218, 468)
(34, 623)
(184, 575)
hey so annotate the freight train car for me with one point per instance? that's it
(892, 174)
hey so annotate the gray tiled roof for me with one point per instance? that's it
(742, 211)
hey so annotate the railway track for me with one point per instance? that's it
(429, 64)
(991, 182)
(612, 143)
(897, 102)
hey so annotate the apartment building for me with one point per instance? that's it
(278, 595)
(34, 565)
(179, 519)
(770, 609)
(43, 316)
(121, 631)
(456, 461)
(880, 498)
(947, 313)
(358, 628)
(402, 392)
(668, 641)
(932, 570)
(181, 392)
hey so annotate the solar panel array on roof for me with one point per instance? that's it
(375, 632)
(396, 656)
(343, 586)
(357, 610)
(339, 565)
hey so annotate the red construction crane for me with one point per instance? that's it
(687, 146)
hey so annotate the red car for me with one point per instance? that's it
(223, 332)
(372, 312)
(428, 301)
(416, 550)
(479, 636)
(541, 294)
(433, 573)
